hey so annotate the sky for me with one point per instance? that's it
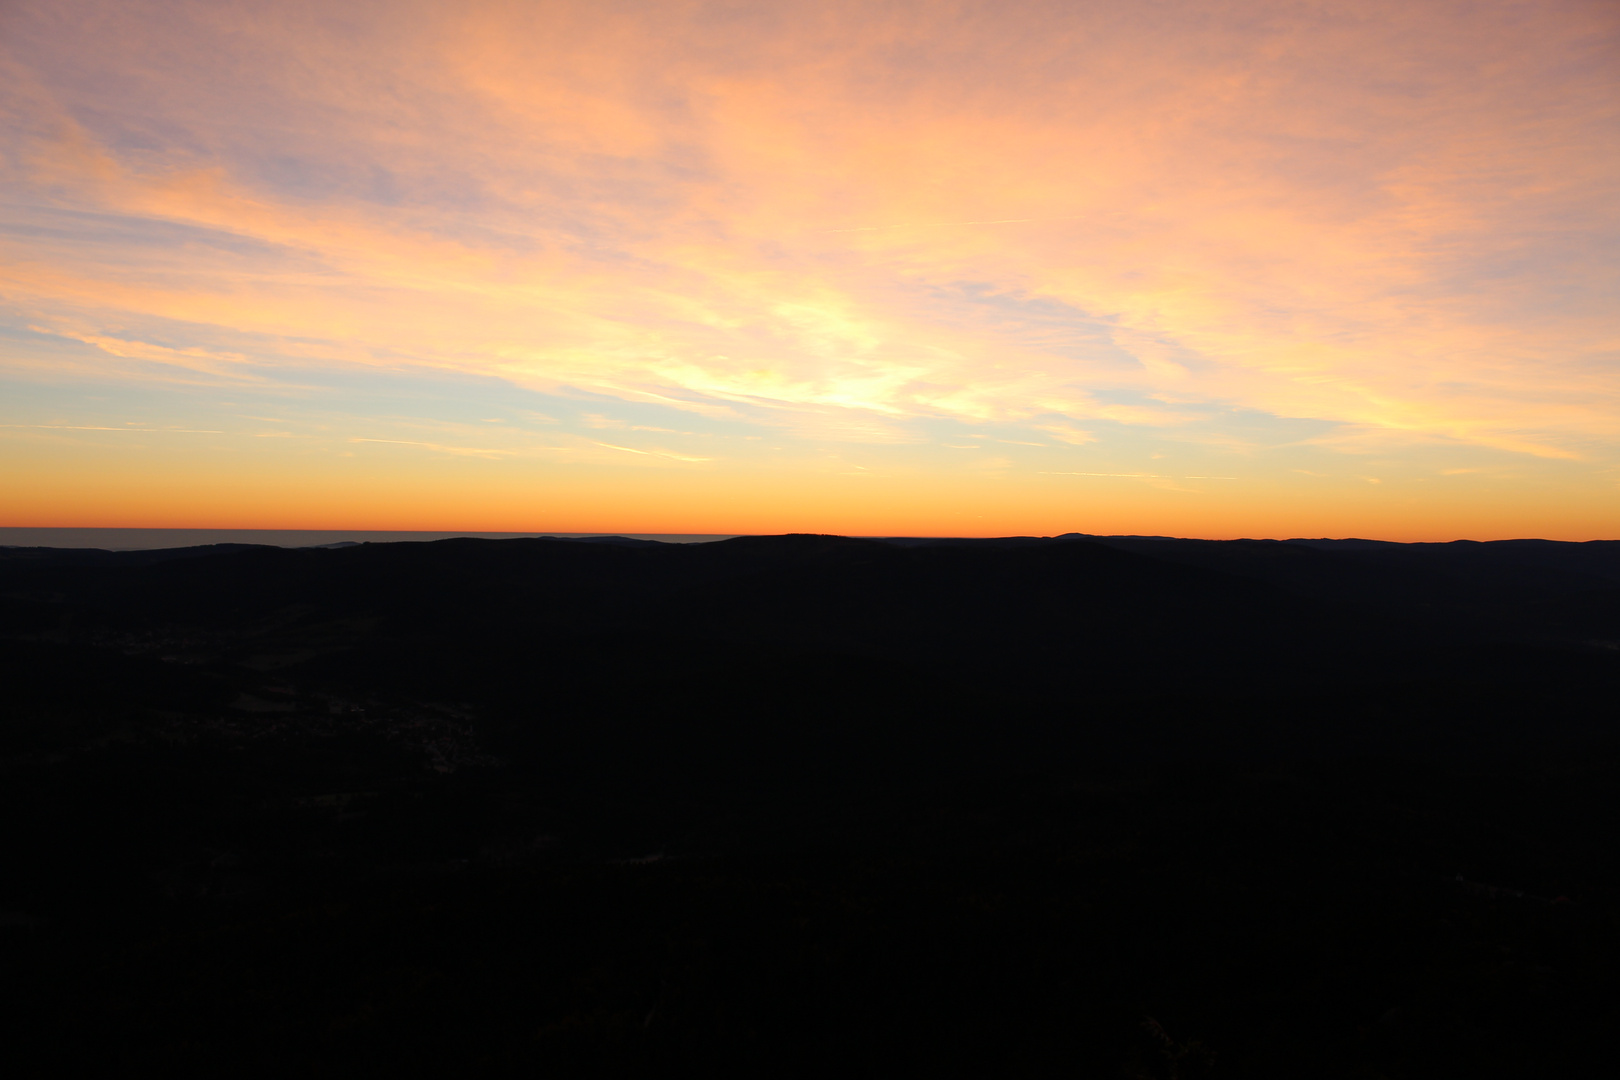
(911, 268)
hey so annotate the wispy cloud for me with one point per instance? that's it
(442, 448)
(654, 453)
(1067, 433)
(840, 223)
(126, 430)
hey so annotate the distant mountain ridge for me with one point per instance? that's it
(588, 802)
(1065, 641)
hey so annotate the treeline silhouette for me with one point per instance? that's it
(1119, 806)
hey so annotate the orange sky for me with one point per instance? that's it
(1263, 269)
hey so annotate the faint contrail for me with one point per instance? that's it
(147, 430)
(1137, 475)
(938, 224)
(653, 453)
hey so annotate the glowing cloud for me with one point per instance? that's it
(1260, 239)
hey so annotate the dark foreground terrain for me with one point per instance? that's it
(1111, 807)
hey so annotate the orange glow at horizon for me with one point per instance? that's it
(923, 268)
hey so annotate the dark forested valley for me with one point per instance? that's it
(805, 805)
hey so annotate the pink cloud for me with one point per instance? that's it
(1397, 216)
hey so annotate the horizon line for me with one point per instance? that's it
(42, 536)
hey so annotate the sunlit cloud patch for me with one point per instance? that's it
(754, 248)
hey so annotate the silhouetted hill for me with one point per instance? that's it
(1054, 629)
(804, 804)
(1370, 571)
